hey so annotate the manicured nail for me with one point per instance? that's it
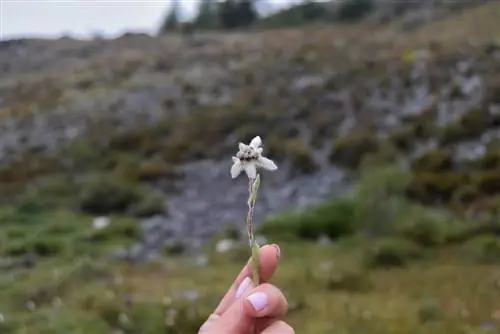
(278, 251)
(258, 301)
(243, 287)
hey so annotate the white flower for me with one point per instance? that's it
(249, 158)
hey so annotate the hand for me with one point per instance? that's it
(246, 309)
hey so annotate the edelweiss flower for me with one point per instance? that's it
(249, 157)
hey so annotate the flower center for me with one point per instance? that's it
(248, 154)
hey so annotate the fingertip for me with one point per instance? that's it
(265, 300)
(279, 327)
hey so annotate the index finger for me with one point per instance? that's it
(269, 257)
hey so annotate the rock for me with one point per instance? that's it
(224, 245)
(100, 223)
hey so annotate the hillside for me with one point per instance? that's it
(141, 129)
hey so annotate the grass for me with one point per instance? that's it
(391, 300)
(421, 271)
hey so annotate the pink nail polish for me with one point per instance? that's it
(258, 300)
(243, 287)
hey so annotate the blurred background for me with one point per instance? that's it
(118, 120)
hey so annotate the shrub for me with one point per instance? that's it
(44, 246)
(107, 196)
(435, 188)
(152, 170)
(352, 10)
(485, 248)
(402, 138)
(335, 218)
(391, 252)
(433, 161)
(427, 228)
(104, 196)
(350, 150)
(470, 125)
(301, 156)
(149, 205)
(488, 181)
(348, 279)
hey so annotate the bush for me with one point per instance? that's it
(149, 205)
(469, 126)
(348, 279)
(427, 229)
(44, 246)
(352, 10)
(485, 248)
(108, 196)
(104, 196)
(153, 170)
(350, 150)
(391, 252)
(438, 160)
(301, 156)
(435, 188)
(335, 218)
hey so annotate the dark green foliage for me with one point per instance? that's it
(336, 218)
(236, 14)
(391, 252)
(485, 248)
(103, 195)
(172, 19)
(352, 10)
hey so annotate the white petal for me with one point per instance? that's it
(251, 170)
(266, 163)
(242, 146)
(256, 143)
(236, 169)
(259, 150)
(235, 160)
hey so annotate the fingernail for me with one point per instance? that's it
(243, 287)
(258, 301)
(278, 251)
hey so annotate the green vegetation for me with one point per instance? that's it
(398, 268)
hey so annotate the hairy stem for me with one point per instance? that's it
(255, 261)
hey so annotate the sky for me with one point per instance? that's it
(86, 18)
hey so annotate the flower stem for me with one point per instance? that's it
(253, 186)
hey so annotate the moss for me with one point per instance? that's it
(469, 126)
(350, 150)
(436, 160)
